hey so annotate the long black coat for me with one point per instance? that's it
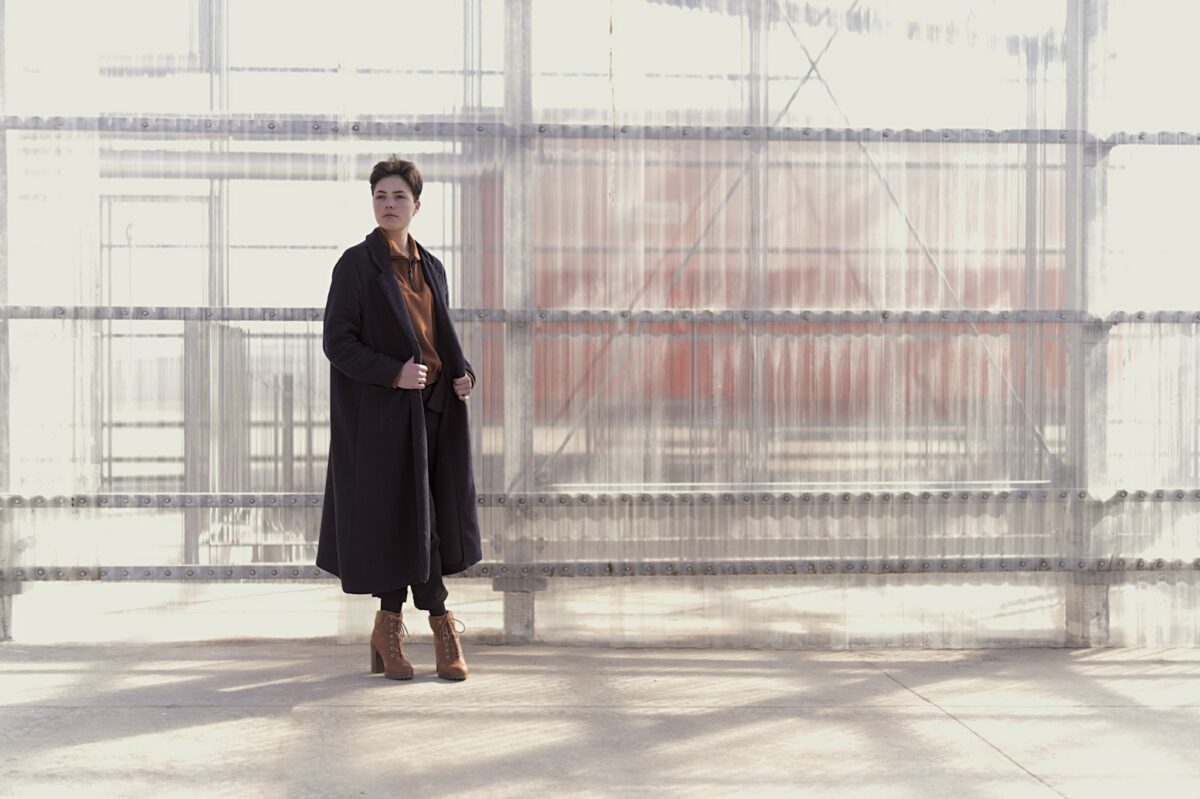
(375, 522)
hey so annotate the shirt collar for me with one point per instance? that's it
(394, 251)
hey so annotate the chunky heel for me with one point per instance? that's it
(376, 660)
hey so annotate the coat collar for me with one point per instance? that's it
(448, 345)
(391, 289)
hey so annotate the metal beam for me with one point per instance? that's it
(801, 498)
(701, 316)
(430, 128)
(1098, 570)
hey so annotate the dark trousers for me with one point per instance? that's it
(430, 595)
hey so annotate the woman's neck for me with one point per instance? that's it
(399, 238)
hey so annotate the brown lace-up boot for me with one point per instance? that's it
(450, 662)
(386, 655)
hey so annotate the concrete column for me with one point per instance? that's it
(1087, 622)
(517, 275)
(7, 535)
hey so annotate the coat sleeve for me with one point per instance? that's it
(341, 337)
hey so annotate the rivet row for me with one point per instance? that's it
(781, 567)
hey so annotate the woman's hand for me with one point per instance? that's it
(463, 386)
(412, 375)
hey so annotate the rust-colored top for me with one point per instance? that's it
(419, 299)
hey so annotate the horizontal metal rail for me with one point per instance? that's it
(692, 315)
(940, 496)
(290, 572)
(285, 126)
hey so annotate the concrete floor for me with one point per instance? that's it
(290, 719)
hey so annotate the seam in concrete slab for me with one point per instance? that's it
(968, 728)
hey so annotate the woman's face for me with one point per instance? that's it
(394, 204)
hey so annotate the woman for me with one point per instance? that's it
(399, 494)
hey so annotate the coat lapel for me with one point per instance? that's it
(449, 347)
(391, 289)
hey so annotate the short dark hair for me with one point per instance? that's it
(405, 169)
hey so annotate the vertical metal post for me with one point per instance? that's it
(1086, 611)
(198, 335)
(287, 457)
(1033, 385)
(757, 422)
(7, 589)
(197, 430)
(518, 295)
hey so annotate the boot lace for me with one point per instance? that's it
(449, 635)
(396, 633)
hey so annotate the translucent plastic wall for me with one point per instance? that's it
(796, 323)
